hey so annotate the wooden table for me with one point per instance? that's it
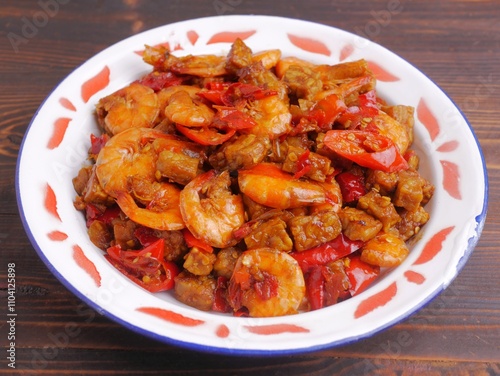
(456, 43)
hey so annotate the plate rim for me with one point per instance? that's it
(472, 241)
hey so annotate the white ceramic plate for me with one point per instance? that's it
(57, 141)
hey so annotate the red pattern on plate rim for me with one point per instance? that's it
(83, 262)
(451, 179)
(170, 316)
(192, 36)
(346, 51)
(60, 127)
(276, 329)
(50, 202)
(381, 74)
(309, 44)
(414, 277)
(428, 119)
(95, 84)
(433, 246)
(222, 331)
(448, 146)
(376, 300)
(57, 236)
(66, 103)
(230, 36)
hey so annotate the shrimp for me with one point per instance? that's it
(267, 282)
(126, 169)
(209, 209)
(134, 106)
(284, 64)
(272, 114)
(268, 185)
(268, 58)
(348, 87)
(393, 129)
(197, 65)
(183, 106)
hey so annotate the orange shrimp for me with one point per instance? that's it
(134, 106)
(126, 168)
(392, 129)
(183, 106)
(209, 66)
(267, 282)
(197, 65)
(268, 58)
(209, 209)
(268, 185)
(272, 115)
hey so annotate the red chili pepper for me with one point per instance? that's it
(145, 235)
(97, 143)
(333, 250)
(242, 312)
(360, 274)
(315, 287)
(145, 267)
(220, 299)
(214, 91)
(367, 149)
(268, 287)
(351, 186)
(327, 110)
(160, 80)
(238, 91)
(367, 109)
(206, 136)
(234, 94)
(93, 213)
(233, 118)
(191, 241)
(304, 164)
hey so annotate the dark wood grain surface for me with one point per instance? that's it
(455, 43)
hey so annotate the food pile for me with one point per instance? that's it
(252, 184)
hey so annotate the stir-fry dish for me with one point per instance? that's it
(252, 184)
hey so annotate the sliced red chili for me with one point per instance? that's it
(233, 118)
(238, 91)
(304, 164)
(327, 110)
(93, 213)
(145, 267)
(145, 235)
(220, 297)
(97, 143)
(351, 186)
(367, 108)
(268, 287)
(367, 149)
(206, 136)
(315, 287)
(333, 250)
(160, 80)
(360, 274)
(191, 241)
